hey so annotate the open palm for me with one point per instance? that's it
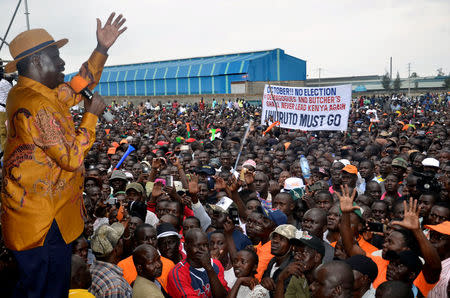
(411, 216)
(107, 35)
(346, 200)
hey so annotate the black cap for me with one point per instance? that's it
(408, 258)
(304, 238)
(207, 170)
(364, 265)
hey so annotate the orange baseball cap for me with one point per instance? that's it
(443, 228)
(350, 169)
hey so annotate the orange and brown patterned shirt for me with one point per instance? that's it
(43, 162)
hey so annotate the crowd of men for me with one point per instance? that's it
(179, 217)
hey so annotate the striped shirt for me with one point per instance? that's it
(440, 289)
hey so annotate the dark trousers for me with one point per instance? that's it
(45, 271)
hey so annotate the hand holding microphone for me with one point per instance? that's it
(95, 105)
(93, 101)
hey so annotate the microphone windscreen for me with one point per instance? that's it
(78, 83)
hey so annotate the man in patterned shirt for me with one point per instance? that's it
(42, 203)
(107, 277)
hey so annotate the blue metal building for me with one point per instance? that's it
(203, 75)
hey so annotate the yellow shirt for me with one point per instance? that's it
(43, 162)
(80, 293)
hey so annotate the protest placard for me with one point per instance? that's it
(307, 108)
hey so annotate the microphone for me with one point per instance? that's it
(80, 85)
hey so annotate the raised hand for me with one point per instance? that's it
(193, 184)
(175, 161)
(156, 163)
(346, 200)
(249, 177)
(233, 184)
(411, 216)
(107, 35)
(220, 183)
(157, 189)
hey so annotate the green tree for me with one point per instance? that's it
(446, 83)
(386, 82)
(414, 75)
(397, 83)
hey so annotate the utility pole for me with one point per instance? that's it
(390, 72)
(27, 14)
(320, 69)
(409, 80)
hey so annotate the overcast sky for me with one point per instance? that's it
(344, 37)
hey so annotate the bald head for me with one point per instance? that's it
(315, 222)
(333, 279)
(142, 253)
(394, 288)
(193, 235)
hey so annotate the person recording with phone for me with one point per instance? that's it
(40, 218)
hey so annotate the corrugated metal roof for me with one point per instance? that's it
(181, 68)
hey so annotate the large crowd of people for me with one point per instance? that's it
(178, 218)
(194, 210)
(208, 200)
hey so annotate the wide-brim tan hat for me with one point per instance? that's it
(28, 43)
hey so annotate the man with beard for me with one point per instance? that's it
(405, 235)
(404, 266)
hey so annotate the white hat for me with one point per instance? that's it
(293, 183)
(430, 162)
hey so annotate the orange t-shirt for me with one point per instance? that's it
(264, 255)
(130, 273)
(366, 246)
(382, 264)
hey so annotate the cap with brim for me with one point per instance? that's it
(136, 186)
(166, 230)
(28, 43)
(118, 174)
(207, 170)
(443, 228)
(286, 230)
(430, 162)
(408, 258)
(277, 216)
(364, 265)
(399, 162)
(351, 169)
(304, 238)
